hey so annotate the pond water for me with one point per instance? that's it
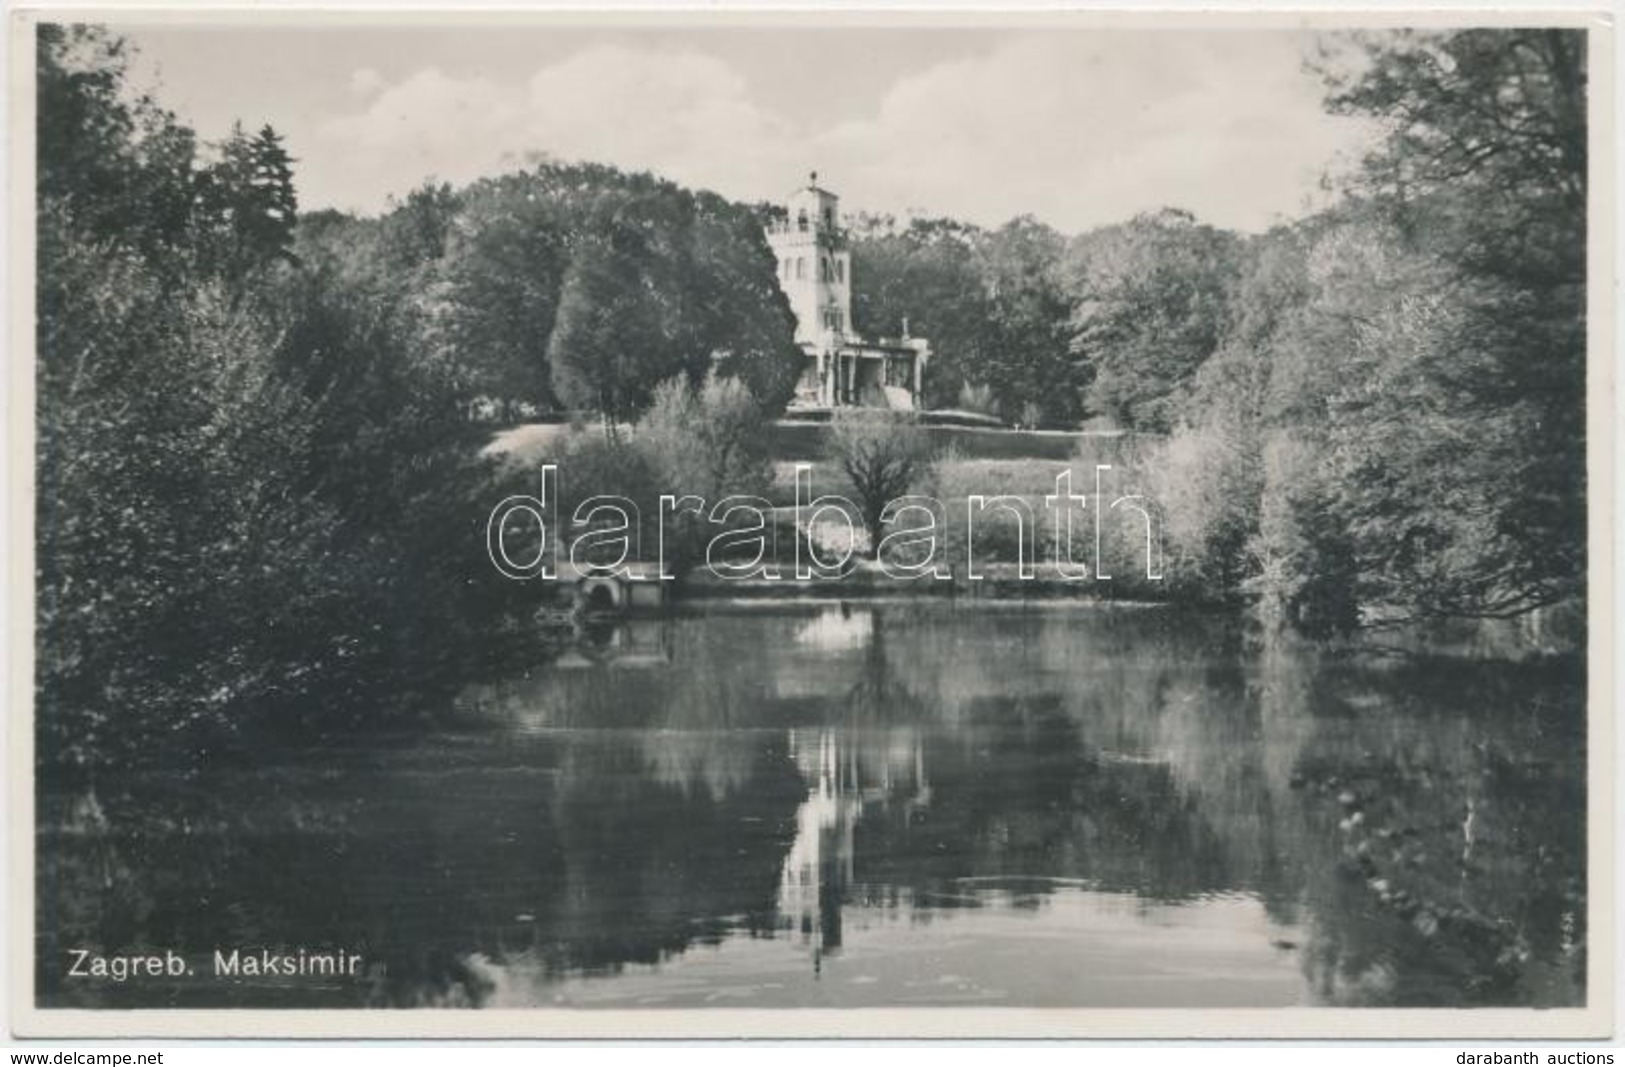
(875, 804)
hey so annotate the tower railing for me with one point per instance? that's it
(827, 235)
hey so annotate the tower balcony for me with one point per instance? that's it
(784, 231)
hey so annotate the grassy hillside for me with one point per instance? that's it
(809, 441)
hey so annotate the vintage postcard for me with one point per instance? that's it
(765, 523)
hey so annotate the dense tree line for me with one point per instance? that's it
(1037, 328)
(1382, 404)
(992, 303)
(578, 288)
(1395, 415)
(252, 478)
(260, 500)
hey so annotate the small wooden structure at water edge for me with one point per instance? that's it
(634, 587)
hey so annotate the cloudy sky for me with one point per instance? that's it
(1076, 126)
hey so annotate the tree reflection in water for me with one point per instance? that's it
(713, 808)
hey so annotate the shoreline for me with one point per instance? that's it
(997, 581)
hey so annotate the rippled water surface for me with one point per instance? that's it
(878, 804)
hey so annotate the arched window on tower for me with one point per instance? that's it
(801, 268)
(801, 220)
(840, 270)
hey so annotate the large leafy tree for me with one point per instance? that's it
(1028, 359)
(497, 287)
(745, 328)
(1483, 172)
(584, 287)
(1490, 111)
(993, 304)
(609, 346)
(1396, 408)
(1152, 306)
(930, 275)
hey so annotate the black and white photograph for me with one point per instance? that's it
(746, 523)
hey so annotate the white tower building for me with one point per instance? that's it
(815, 265)
(815, 273)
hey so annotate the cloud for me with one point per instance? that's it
(1085, 129)
(366, 81)
(685, 115)
(1077, 128)
(428, 108)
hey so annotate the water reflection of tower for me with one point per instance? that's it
(846, 772)
(875, 760)
(819, 866)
